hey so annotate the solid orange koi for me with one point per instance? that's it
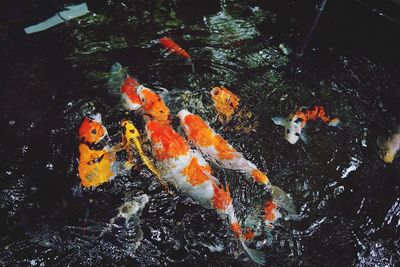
(169, 44)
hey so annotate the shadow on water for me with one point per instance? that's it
(347, 199)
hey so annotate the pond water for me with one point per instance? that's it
(347, 198)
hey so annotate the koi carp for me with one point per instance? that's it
(173, 47)
(153, 105)
(130, 98)
(295, 123)
(95, 166)
(225, 102)
(389, 146)
(223, 154)
(131, 140)
(188, 171)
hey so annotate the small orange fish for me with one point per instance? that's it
(225, 102)
(95, 166)
(295, 123)
(130, 98)
(169, 44)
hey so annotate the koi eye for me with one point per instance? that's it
(94, 131)
(298, 120)
(297, 134)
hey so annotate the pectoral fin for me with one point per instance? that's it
(303, 136)
(279, 120)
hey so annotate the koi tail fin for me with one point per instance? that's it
(282, 199)
(257, 256)
(189, 60)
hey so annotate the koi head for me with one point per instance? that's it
(195, 128)
(130, 98)
(92, 130)
(153, 105)
(129, 130)
(166, 143)
(225, 101)
(293, 127)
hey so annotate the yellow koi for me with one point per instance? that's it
(131, 139)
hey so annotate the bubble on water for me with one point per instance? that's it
(338, 190)
(50, 166)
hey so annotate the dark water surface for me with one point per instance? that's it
(347, 198)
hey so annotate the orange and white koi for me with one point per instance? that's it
(225, 102)
(95, 166)
(217, 148)
(188, 171)
(222, 153)
(130, 98)
(295, 123)
(136, 96)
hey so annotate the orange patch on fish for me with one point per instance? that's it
(94, 166)
(225, 102)
(313, 114)
(154, 106)
(129, 89)
(225, 151)
(259, 177)
(269, 211)
(166, 142)
(248, 233)
(235, 227)
(91, 131)
(200, 133)
(222, 199)
(195, 173)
